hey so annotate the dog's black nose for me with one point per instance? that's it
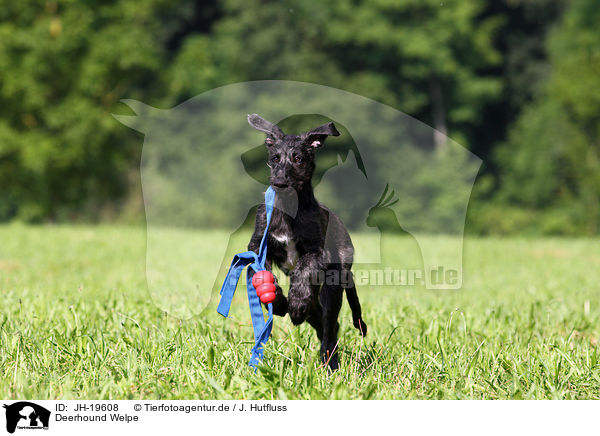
(280, 184)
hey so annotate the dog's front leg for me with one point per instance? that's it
(304, 286)
(280, 304)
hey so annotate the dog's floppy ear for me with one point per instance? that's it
(272, 130)
(317, 136)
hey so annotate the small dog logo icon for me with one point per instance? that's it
(26, 415)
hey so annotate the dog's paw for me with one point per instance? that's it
(280, 305)
(361, 326)
(330, 359)
(298, 307)
(333, 363)
(298, 313)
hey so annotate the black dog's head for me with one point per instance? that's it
(291, 157)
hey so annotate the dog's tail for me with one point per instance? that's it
(352, 298)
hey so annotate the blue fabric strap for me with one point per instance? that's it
(262, 329)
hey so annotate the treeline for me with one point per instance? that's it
(516, 82)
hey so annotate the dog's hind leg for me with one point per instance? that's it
(352, 298)
(331, 301)
(315, 319)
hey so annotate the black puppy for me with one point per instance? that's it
(306, 240)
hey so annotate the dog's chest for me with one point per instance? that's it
(290, 249)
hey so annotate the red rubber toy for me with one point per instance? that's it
(261, 277)
(264, 282)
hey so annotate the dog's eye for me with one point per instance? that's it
(297, 159)
(275, 159)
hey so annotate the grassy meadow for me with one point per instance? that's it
(76, 321)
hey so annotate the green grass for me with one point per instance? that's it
(77, 322)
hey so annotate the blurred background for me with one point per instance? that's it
(515, 82)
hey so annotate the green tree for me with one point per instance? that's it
(432, 57)
(551, 161)
(64, 65)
